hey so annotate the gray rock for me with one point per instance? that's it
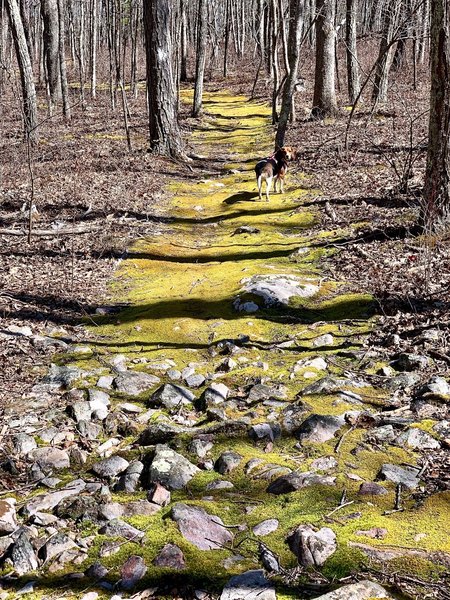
(132, 571)
(407, 476)
(195, 380)
(105, 382)
(383, 434)
(277, 290)
(22, 555)
(96, 571)
(170, 557)
(370, 488)
(89, 430)
(363, 590)
(50, 458)
(417, 440)
(219, 485)
(312, 547)
(324, 463)
(129, 481)
(133, 383)
(142, 508)
(56, 545)
(251, 585)
(215, 394)
(171, 469)
(319, 428)
(159, 433)
(63, 377)
(227, 462)
(442, 429)
(261, 392)
(323, 340)
(436, 387)
(111, 466)
(99, 396)
(266, 527)
(402, 381)
(8, 520)
(81, 411)
(201, 446)
(293, 415)
(118, 528)
(268, 432)
(296, 481)
(205, 531)
(331, 385)
(409, 362)
(24, 444)
(174, 374)
(51, 500)
(172, 396)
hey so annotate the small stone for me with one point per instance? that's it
(50, 458)
(171, 469)
(363, 590)
(201, 446)
(409, 362)
(325, 463)
(51, 500)
(265, 432)
(135, 383)
(370, 488)
(205, 531)
(132, 571)
(129, 480)
(402, 382)
(376, 533)
(319, 428)
(323, 340)
(195, 381)
(158, 495)
(251, 585)
(89, 430)
(296, 481)
(417, 439)
(8, 520)
(105, 381)
(407, 476)
(216, 394)
(22, 555)
(96, 571)
(24, 444)
(174, 374)
(266, 527)
(312, 547)
(172, 396)
(227, 462)
(130, 408)
(219, 485)
(118, 528)
(110, 467)
(170, 557)
(56, 545)
(159, 433)
(435, 387)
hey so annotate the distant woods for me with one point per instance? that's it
(67, 52)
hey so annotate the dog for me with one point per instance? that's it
(274, 167)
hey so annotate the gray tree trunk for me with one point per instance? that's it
(351, 50)
(165, 136)
(26, 72)
(296, 13)
(324, 101)
(49, 11)
(62, 61)
(200, 57)
(381, 83)
(436, 206)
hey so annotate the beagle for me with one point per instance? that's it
(274, 167)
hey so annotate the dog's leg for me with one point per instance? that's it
(268, 187)
(259, 180)
(281, 185)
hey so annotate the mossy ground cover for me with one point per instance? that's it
(180, 287)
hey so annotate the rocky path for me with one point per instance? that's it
(227, 434)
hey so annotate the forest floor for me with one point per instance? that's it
(192, 305)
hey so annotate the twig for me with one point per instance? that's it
(339, 508)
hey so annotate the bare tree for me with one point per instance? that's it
(165, 136)
(49, 11)
(200, 57)
(351, 50)
(390, 24)
(436, 209)
(296, 9)
(324, 101)
(26, 71)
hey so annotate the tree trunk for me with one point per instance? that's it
(62, 61)
(351, 50)
(324, 101)
(380, 87)
(165, 136)
(26, 72)
(49, 11)
(94, 17)
(296, 11)
(200, 57)
(436, 206)
(183, 50)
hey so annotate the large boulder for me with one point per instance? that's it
(170, 469)
(312, 547)
(275, 290)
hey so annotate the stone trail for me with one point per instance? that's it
(222, 431)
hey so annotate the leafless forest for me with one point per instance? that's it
(94, 124)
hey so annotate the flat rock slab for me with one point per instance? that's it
(50, 458)
(51, 500)
(277, 290)
(133, 570)
(266, 527)
(296, 481)
(205, 531)
(251, 585)
(172, 396)
(319, 428)
(111, 466)
(133, 383)
(170, 557)
(170, 469)
(363, 590)
(404, 475)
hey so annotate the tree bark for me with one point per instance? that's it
(165, 136)
(26, 72)
(62, 61)
(200, 57)
(49, 11)
(296, 12)
(380, 87)
(324, 101)
(351, 51)
(436, 205)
